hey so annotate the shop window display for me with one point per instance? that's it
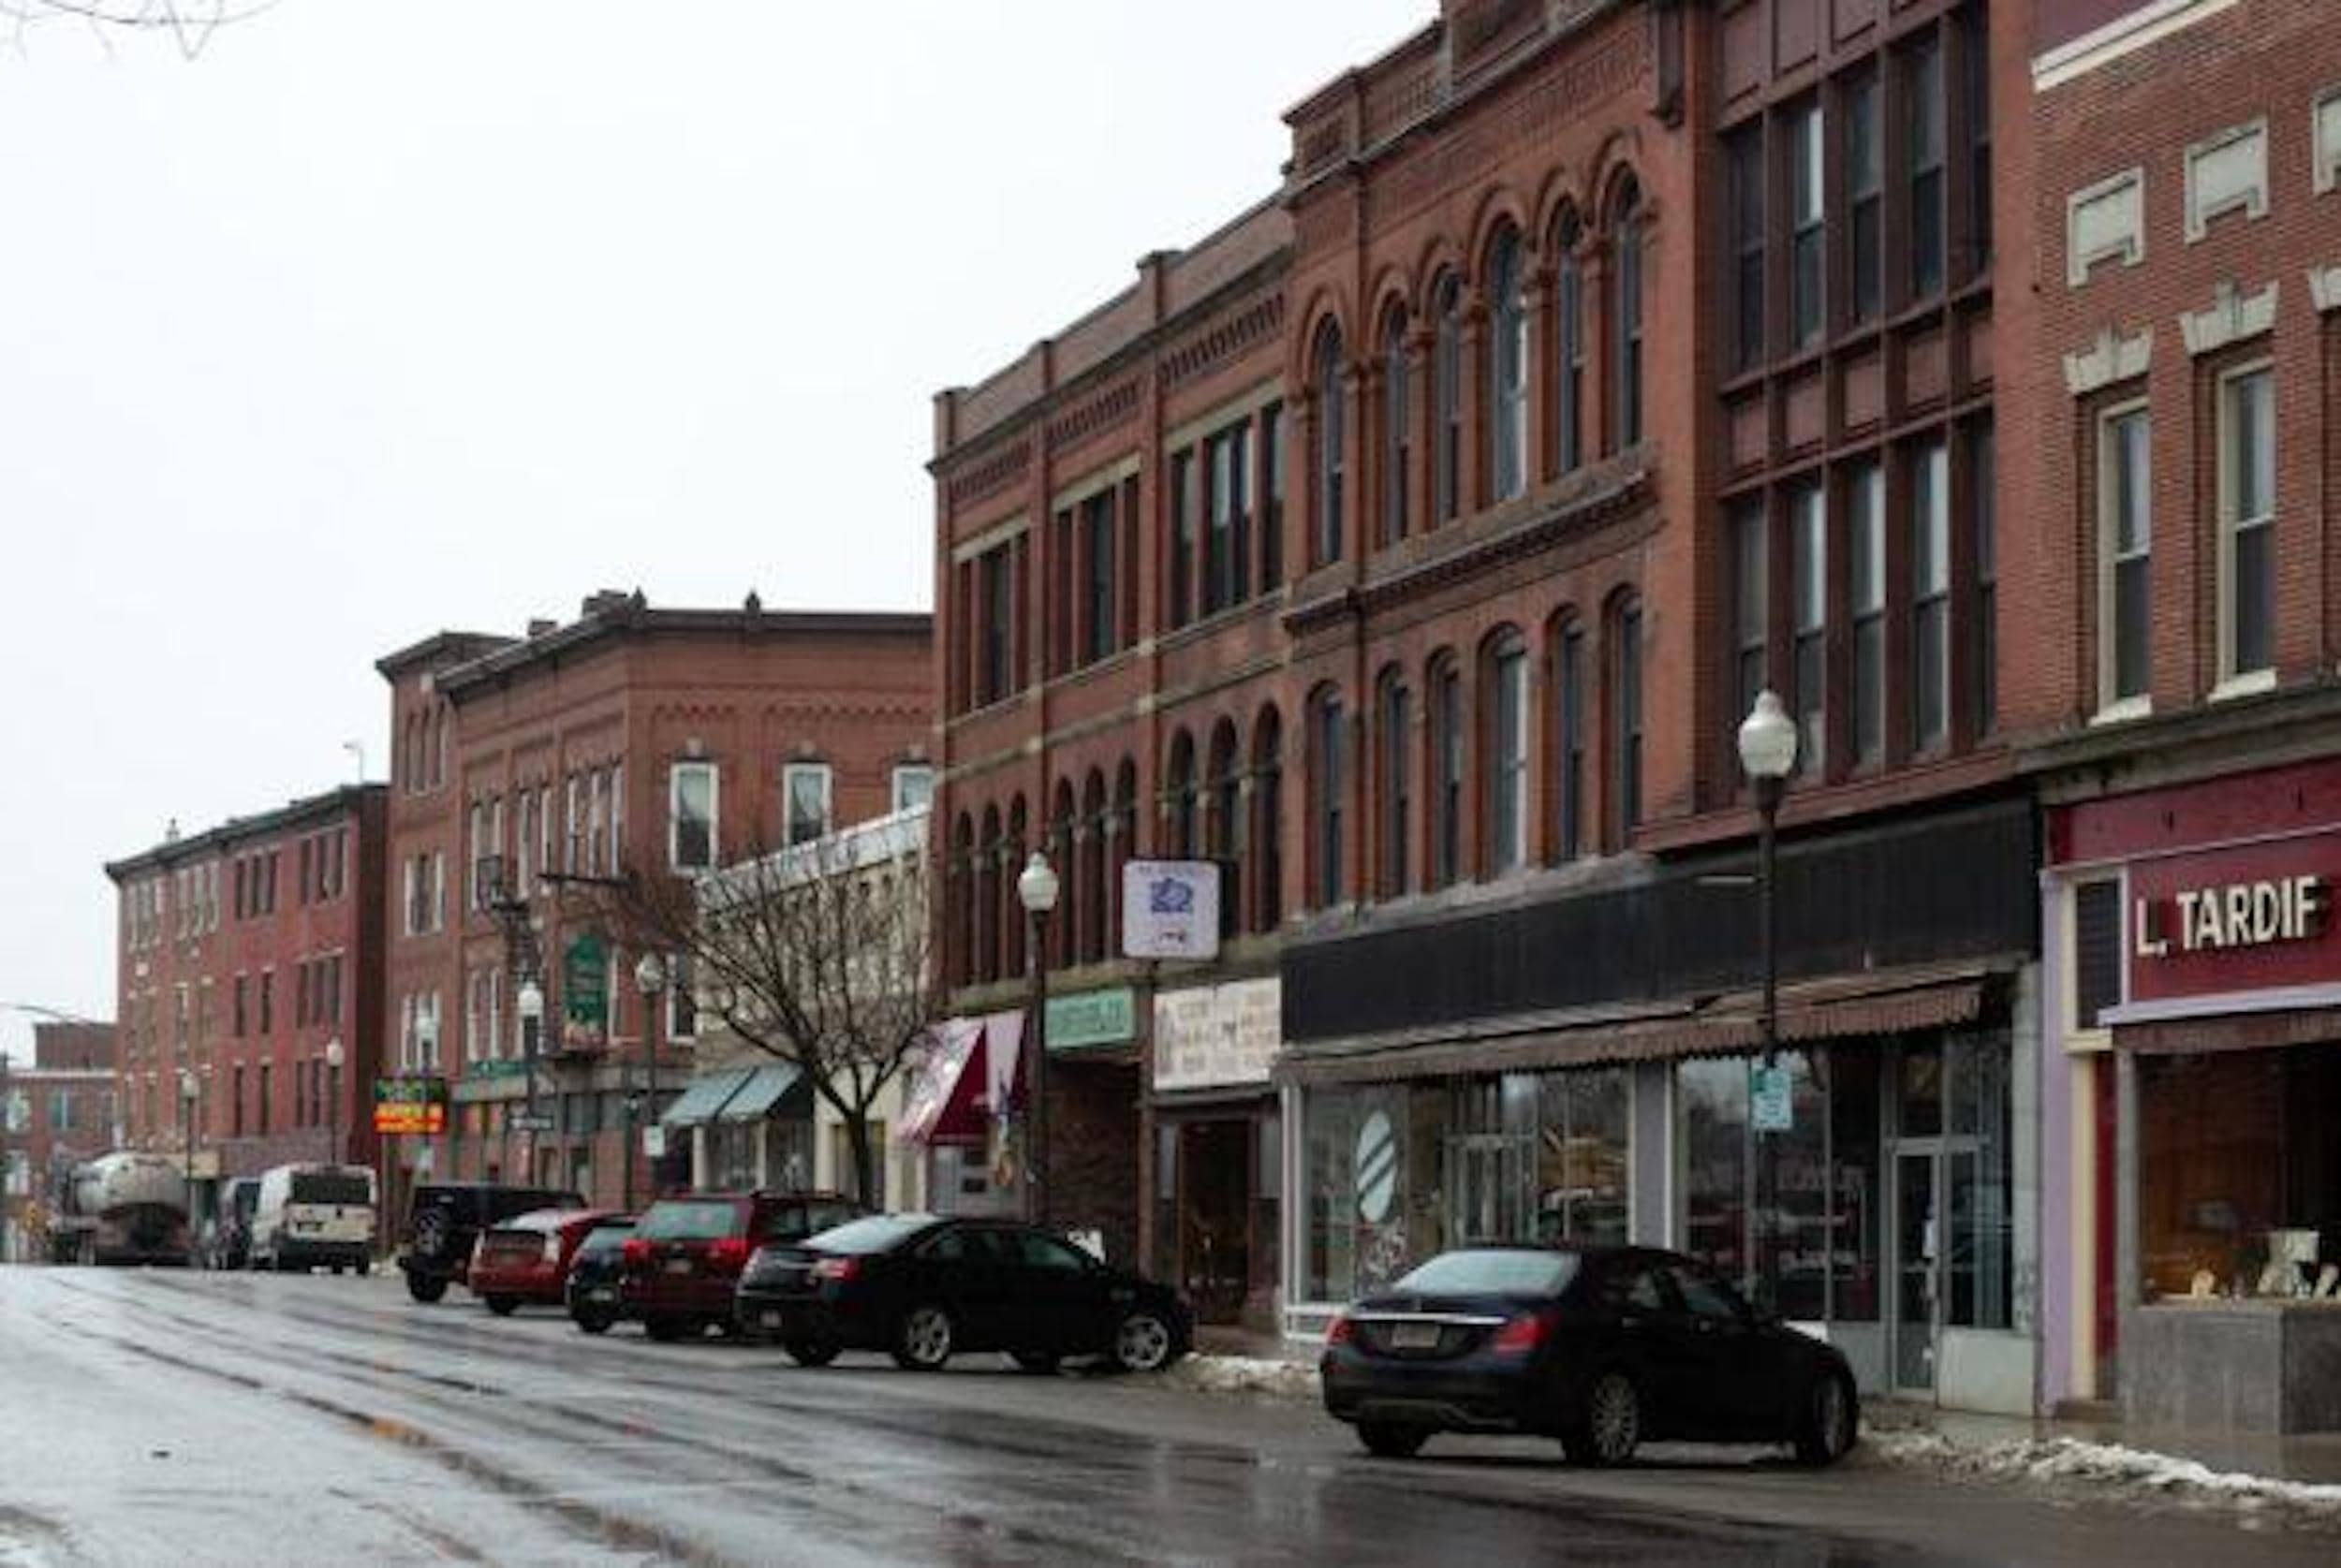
(1582, 1167)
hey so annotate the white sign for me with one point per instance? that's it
(1170, 909)
(1214, 1035)
(1771, 1107)
(654, 1141)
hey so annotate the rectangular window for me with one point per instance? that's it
(1272, 542)
(1930, 596)
(1397, 436)
(240, 1005)
(1183, 501)
(805, 787)
(1396, 796)
(2248, 515)
(1866, 496)
(1922, 100)
(1570, 692)
(999, 617)
(914, 786)
(1064, 652)
(438, 890)
(1984, 495)
(235, 1107)
(2096, 951)
(1446, 728)
(1751, 601)
(268, 1094)
(1625, 706)
(1808, 519)
(1221, 454)
(2125, 555)
(2325, 132)
(1508, 780)
(573, 825)
(1098, 544)
(2226, 173)
(1979, 108)
(1745, 155)
(691, 807)
(1569, 322)
(268, 1000)
(1807, 238)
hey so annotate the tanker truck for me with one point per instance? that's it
(123, 1208)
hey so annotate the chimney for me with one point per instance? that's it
(538, 625)
(609, 601)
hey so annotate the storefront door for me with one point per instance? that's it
(1918, 1265)
(1214, 1217)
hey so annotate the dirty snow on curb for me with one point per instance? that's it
(2101, 1467)
(1246, 1374)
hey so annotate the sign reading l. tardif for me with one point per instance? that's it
(1170, 909)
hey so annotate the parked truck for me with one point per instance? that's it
(124, 1208)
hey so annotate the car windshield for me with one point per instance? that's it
(686, 1219)
(1493, 1272)
(878, 1233)
(605, 1238)
(332, 1186)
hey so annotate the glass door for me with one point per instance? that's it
(1917, 1267)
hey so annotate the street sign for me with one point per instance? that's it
(1770, 1106)
(529, 1121)
(654, 1141)
(1170, 909)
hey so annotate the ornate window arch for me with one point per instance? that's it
(1508, 440)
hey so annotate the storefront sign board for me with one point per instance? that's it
(1215, 1036)
(2227, 921)
(410, 1106)
(1101, 1018)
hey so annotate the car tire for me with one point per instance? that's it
(593, 1322)
(1390, 1440)
(666, 1330)
(1606, 1427)
(811, 1353)
(1830, 1422)
(1041, 1363)
(503, 1306)
(922, 1337)
(1144, 1342)
(425, 1289)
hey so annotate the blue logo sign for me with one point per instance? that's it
(1167, 895)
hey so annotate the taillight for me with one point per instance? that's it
(1341, 1331)
(1522, 1335)
(837, 1268)
(729, 1251)
(637, 1254)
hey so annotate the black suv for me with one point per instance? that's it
(446, 1217)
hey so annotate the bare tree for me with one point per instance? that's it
(188, 23)
(819, 955)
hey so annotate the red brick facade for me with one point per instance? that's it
(63, 1113)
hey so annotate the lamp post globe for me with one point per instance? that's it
(333, 1059)
(1768, 738)
(531, 1001)
(1037, 885)
(649, 974)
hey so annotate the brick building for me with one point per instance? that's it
(2182, 338)
(633, 738)
(244, 952)
(54, 1115)
(1413, 546)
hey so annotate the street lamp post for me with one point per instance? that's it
(650, 978)
(188, 1088)
(531, 1001)
(333, 1100)
(1768, 754)
(1037, 889)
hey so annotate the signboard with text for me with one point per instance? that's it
(585, 993)
(2224, 922)
(1086, 1019)
(1170, 909)
(412, 1106)
(1217, 1036)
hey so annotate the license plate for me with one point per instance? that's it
(604, 1294)
(678, 1266)
(1414, 1336)
(771, 1320)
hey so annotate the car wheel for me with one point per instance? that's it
(811, 1353)
(337, 1270)
(1825, 1431)
(1607, 1425)
(922, 1339)
(503, 1306)
(591, 1322)
(666, 1330)
(1389, 1441)
(1144, 1343)
(1041, 1363)
(425, 1289)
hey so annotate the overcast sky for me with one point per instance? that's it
(376, 319)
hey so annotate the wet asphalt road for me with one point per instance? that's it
(176, 1418)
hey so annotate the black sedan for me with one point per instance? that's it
(591, 1288)
(925, 1289)
(1603, 1348)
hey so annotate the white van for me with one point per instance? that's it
(310, 1215)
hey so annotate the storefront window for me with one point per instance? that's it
(1983, 1183)
(1166, 1261)
(2233, 1147)
(1332, 1117)
(1798, 1182)
(1727, 1167)
(1490, 1145)
(1582, 1166)
(1713, 1096)
(1267, 1208)
(1854, 1267)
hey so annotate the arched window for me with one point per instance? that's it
(1569, 341)
(1330, 420)
(959, 906)
(1392, 734)
(1507, 369)
(1072, 910)
(1397, 437)
(1625, 738)
(1448, 727)
(1506, 732)
(1626, 232)
(1571, 738)
(1091, 852)
(1124, 848)
(1267, 822)
(1012, 917)
(1225, 833)
(1329, 781)
(1447, 400)
(988, 852)
(1178, 798)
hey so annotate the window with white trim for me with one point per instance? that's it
(1807, 238)
(691, 821)
(1507, 758)
(2125, 553)
(1930, 596)
(617, 818)
(1867, 529)
(2325, 137)
(2105, 221)
(2248, 515)
(2097, 953)
(914, 786)
(2226, 173)
(804, 788)
(1808, 647)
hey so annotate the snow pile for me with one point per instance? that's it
(1245, 1374)
(2069, 1463)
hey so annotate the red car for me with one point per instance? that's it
(684, 1257)
(526, 1258)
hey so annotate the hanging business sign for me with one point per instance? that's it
(1170, 909)
(411, 1105)
(585, 993)
(1217, 1036)
(1771, 1100)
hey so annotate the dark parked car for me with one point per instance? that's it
(686, 1255)
(526, 1260)
(1604, 1348)
(925, 1289)
(231, 1238)
(445, 1217)
(594, 1270)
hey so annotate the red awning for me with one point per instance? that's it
(944, 1102)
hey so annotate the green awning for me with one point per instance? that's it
(709, 1093)
(766, 1088)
